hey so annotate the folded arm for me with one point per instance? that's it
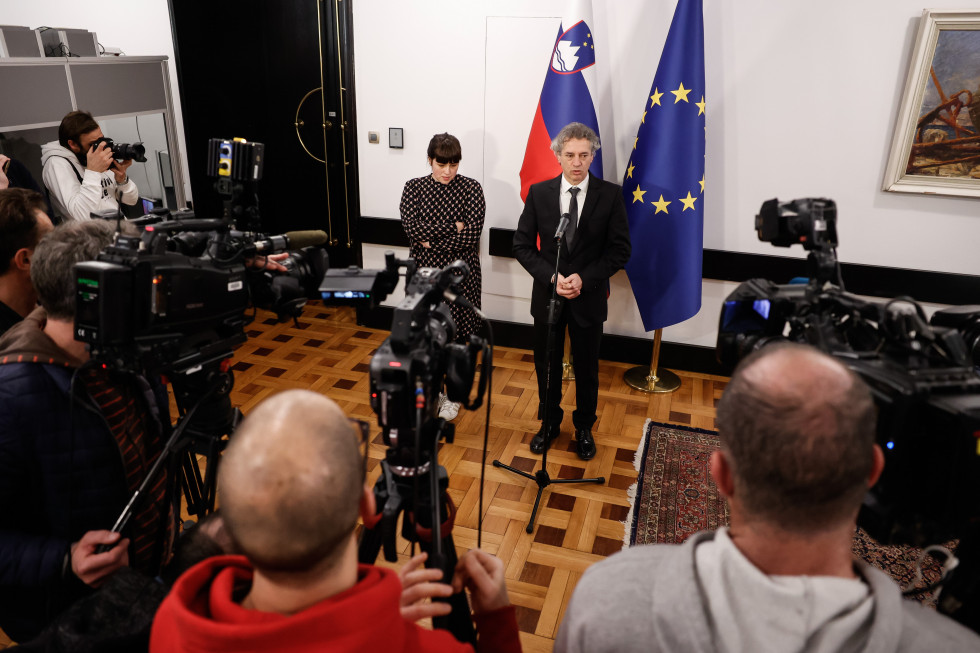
(469, 225)
(419, 230)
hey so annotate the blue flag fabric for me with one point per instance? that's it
(663, 187)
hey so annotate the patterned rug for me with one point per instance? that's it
(675, 497)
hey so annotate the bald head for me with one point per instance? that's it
(290, 482)
(798, 429)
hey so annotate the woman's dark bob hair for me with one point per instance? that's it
(444, 148)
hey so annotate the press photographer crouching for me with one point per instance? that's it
(292, 483)
(74, 443)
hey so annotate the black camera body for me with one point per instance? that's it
(922, 374)
(420, 355)
(142, 306)
(410, 367)
(152, 310)
(123, 151)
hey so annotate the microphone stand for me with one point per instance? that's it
(542, 478)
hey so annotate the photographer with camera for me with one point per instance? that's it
(292, 483)
(81, 172)
(76, 439)
(797, 456)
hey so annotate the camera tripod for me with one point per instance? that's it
(428, 518)
(200, 430)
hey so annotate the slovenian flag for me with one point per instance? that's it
(565, 97)
(663, 187)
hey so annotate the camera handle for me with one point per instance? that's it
(542, 478)
(393, 493)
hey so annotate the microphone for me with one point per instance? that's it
(291, 240)
(562, 226)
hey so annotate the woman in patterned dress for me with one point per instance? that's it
(442, 214)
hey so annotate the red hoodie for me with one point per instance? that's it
(200, 615)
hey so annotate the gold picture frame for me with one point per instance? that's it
(936, 144)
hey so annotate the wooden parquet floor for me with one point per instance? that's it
(577, 525)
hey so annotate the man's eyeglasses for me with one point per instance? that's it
(362, 432)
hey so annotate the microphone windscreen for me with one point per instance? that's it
(301, 239)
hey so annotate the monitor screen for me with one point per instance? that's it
(150, 203)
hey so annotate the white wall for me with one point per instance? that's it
(137, 27)
(802, 100)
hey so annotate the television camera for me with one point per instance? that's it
(172, 297)
(922, 373)
(420, 348)
(407, 373)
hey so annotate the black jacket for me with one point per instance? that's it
(61, 474)
(601, 246)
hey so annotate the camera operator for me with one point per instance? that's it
(75, 442)
(797, 456)
(23, 223)
(291, 485)
(83, 177)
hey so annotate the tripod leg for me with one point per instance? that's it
(382, 532)
(370, 545)
(191, 483)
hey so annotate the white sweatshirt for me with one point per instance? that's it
(74, 199)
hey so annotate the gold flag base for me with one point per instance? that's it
(652, 378)
(567, 373)
(646, 379)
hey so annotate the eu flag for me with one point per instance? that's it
(664, 183)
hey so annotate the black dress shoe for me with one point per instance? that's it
(585, 445)
(537, 442)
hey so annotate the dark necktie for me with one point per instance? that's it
(572, 214)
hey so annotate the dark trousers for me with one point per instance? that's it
(585, 362)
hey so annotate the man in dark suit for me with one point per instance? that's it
(595, 246)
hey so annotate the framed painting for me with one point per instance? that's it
(936, 144)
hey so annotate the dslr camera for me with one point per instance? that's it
(122, 151)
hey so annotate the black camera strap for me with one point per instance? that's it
(72, 166)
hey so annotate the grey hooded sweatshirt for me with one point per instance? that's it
(704, 595)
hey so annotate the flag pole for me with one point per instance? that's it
(567, 372)
(651, 379)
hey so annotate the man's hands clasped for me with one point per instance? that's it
(569, 287)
